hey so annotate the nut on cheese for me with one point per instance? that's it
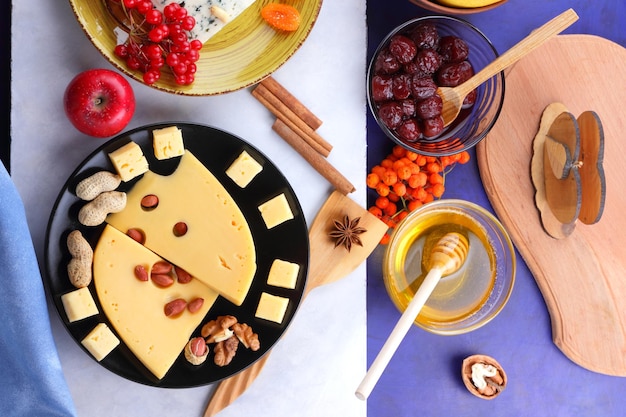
(100, 341)
(243, 170)
(276, 211)
(217, 248)
(129, 161)
(167, 142)
(283, 274)
(272, 307)
(79, 304)
(135, 307)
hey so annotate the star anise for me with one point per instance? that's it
(347, 232)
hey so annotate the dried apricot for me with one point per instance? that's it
(281, 16)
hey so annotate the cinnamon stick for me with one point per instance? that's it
(292, 102)
(281, 111)
(318, 162)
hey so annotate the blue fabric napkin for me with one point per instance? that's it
(31, 380)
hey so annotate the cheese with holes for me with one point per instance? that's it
(167, 142)
(100, 341)
(129, 161)
(217, 249)
(272, 307)
(211, 15)
(135, 308)
(283, 274)
(243, 170)
(276, 211)
(79, 304)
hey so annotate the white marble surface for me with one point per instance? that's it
(316, 366)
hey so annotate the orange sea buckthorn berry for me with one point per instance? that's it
(393, 197)
(382, 189)
(401, 215)
(391, 209)
(397, 164)
(398, 151)
(437, 190)
(382, 202)
(372, 180)
(414, 168)
(379, 170)
(464, 158)
(404, 172)
(429, 197)
(386, 163)
(385, 239)
(412, 156)
(399, 188)
(435, 178)
(421, 160)
(390, 177)
(433, 167)
(414, 204)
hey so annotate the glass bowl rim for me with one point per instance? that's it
(473, 210)
(370, 74)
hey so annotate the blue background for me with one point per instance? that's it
(423, 378)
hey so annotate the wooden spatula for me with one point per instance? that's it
(327, 264)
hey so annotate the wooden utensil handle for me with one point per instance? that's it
(531, 42)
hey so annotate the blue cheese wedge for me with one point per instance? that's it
(211, 15)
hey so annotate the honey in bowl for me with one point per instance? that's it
(467, 298)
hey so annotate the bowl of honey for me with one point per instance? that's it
(468, 298)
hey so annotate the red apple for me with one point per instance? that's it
(99, 102)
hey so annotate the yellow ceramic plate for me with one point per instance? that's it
(242, 54)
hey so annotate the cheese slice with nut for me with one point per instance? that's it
(135, 308)
(218, 248)
(211, 15)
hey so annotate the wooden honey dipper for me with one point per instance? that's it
(446, 257)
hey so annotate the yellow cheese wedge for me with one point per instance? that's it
(276, 211)
(135, 308)
(283, 274)
(129, 161)
(100, 341)
(217, 249)
(79, 304)
(272, 307)
(167, 142)
(243, 170)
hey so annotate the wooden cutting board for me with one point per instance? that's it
(582, 277)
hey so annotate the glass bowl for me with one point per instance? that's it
(472, 124)
(464, 300)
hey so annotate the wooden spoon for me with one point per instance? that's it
(453, 96)
(327, 264)
(446, 257)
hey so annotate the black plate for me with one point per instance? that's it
(216, 149)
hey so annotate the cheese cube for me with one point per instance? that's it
(100, 341)
(272, 307)
(283, 274)
(129, 161)
(167, 142)
(244, 169)
(276, 211)
(79, 304)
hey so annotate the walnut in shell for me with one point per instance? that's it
(483, 376)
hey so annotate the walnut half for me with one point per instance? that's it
(483, 376)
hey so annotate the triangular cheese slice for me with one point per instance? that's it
(136, 308)
(217, 249)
